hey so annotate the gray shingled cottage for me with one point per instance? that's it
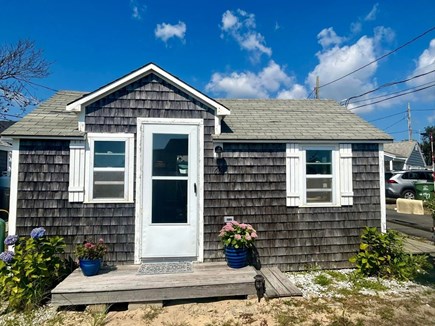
(154, 167)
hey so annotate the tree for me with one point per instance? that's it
(425, 144)
(20, 64)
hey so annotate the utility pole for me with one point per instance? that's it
(317, 87)
(409, 123)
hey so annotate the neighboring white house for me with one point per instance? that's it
(404, 155)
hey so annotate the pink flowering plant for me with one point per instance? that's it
(237, 235)
(90, 251)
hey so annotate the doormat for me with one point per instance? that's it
(165, 268)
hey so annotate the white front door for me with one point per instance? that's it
(170, 191)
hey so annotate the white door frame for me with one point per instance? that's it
(141, 122)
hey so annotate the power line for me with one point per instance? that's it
(391, 97)
(395, 123)
(380, 58)
(387, 94)
(388, 116)
(389, 84)
(398, 132)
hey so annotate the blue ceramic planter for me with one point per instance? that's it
(90, 267)
(236, 257)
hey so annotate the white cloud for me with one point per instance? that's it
(240, 25)
(166, 31)
(277, 26)
(137, 9)
(372, 14)
(295, 92)
(327, 37)
(424, 64)
(382, 33)
(229, 20)
(338, 61)
(271, 81)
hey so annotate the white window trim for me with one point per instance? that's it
(342, 183)
(129, 166)
(335, 175)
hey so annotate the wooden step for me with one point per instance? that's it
(277, 284)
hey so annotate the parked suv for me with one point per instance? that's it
(401, 183)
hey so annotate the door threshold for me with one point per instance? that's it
(168, 259)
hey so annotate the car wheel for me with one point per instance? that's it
(408, 194)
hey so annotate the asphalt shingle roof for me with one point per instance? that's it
(403, 148)
(49, 119)
(273, 119)
(250, 119)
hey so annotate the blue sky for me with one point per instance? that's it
(242, 49)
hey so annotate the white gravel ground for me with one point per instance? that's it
(305, 281)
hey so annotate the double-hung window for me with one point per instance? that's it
(110, 168)
(319, 175)
(320, 181)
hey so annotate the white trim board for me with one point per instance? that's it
(12, 218)
(78, 105)
(382, 189)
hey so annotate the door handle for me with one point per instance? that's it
(194, 188)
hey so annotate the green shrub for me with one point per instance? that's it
(28, 274)
(382, 255)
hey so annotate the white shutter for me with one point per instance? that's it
(346, 189)
(293, 182)
(76, 187)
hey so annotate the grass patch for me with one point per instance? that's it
(364, 283)
(337, 276)
(323, 280)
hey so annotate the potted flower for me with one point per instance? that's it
(90, 255)
(237, 238)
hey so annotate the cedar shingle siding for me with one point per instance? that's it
(43, 201)
(253, 189)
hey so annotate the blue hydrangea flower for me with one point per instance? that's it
(11, 240)
(37, 233)
(7, 256)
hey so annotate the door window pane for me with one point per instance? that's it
(169, 201)
(170, 154)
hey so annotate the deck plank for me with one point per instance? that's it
(277, 285)
(291, 288)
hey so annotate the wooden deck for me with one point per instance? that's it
(414, 246)
(208, 280)
(277, 284)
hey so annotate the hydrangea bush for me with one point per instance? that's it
(238, 235)
(28, 273)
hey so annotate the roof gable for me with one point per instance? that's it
(403, 148)
(79, 104)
